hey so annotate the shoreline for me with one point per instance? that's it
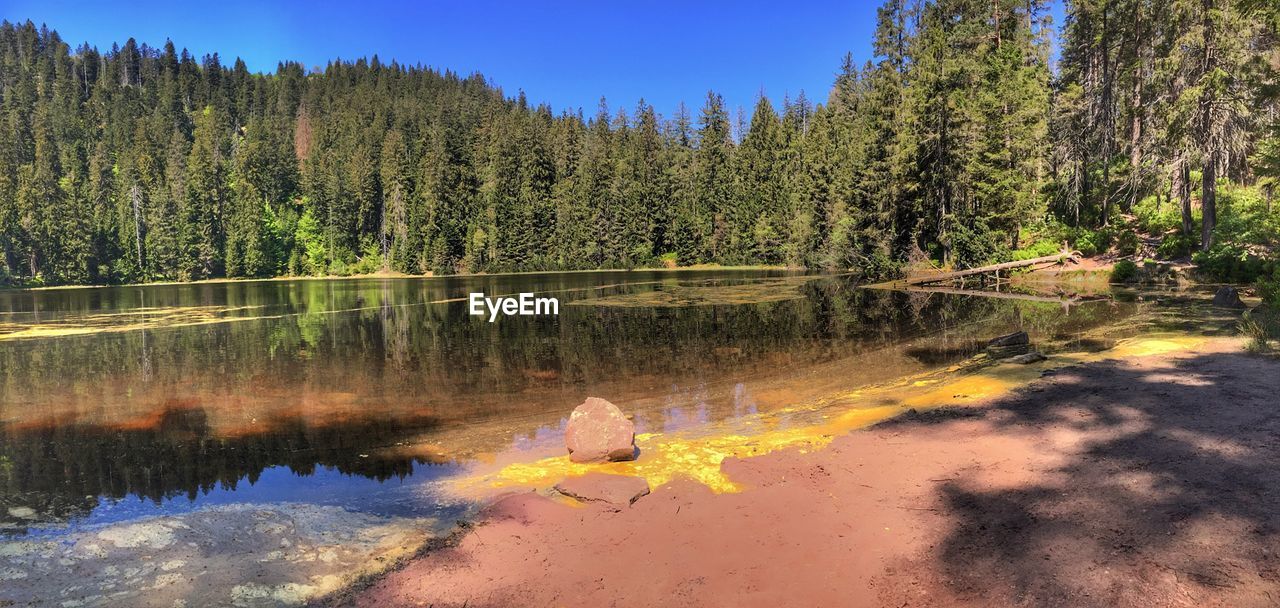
(1005, 498)
(399, 275)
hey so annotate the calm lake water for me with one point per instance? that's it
(122, 402)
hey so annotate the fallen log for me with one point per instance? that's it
(958, 274)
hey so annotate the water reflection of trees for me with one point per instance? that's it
(334, 367)
(60, 470)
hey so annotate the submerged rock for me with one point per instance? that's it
(226, 555)
(1227, 297)
(615, 490)
(1034, 356)
(22, 512)
(1009, 345)
(1017, 338)
(598, 431)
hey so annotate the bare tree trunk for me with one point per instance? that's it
(1135, 108)
(995, 15)
(1209, 181)
(135, 197)
(1184, 194)
(1209, 202)
(1108, 118)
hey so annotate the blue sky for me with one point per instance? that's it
(567, 53)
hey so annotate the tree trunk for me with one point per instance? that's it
(135, 198)
(1184, 194)
(995, 14)
(1108, 118)
(1135, 108)
(1208, 203)
(1209, 181)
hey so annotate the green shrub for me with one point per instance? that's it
(1177, 245)
(1038, 249)
(1127, 243)
(1091, 242)
(1232, 263)
(339, 268)
(1269, 288)
(1158, 221)
(1243, 217)
(974, 245)
(1124, 271)
(1262, 326)
(1087, 246)
(370, 260)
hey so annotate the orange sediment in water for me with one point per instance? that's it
(698, 454)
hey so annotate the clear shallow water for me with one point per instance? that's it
(117, 403)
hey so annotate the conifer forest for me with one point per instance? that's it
(980, 131)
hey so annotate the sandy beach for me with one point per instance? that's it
(1132, 481)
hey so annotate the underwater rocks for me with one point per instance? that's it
(1014, 348)
(598, 431)
(1228, 297)
(614, 490)
(243, 555)
(1009, 345)
(1034, 356)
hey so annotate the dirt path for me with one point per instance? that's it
(1151, 481)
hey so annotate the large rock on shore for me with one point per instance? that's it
(613, 490)
(598, 432)
(1228, 297)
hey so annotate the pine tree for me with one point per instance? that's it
(713, 196)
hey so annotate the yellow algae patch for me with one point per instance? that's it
(141, 318)
(664, 457)
(1142, 347)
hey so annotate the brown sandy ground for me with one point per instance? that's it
(1151, 481)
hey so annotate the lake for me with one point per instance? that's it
(361, 395)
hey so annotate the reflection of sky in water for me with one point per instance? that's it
(541, 437)
(743, 403)
(413, 496)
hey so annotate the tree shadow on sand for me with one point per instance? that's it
(1169, 491)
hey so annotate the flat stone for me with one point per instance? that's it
(22, 512)
(1034, 356)
(615, 490)
(598, 431)
(523, 507)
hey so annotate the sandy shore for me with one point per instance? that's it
(1139, 481)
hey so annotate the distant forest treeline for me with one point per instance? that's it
(148, 164)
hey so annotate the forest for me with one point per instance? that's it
(979, 131)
